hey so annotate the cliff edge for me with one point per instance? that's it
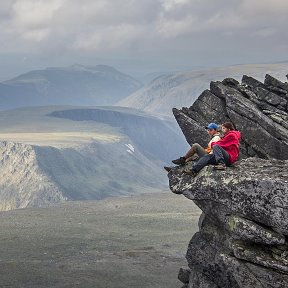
(243, 230)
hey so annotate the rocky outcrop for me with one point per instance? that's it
(242, 238)
(243, 231)
(258, 110)
(23, 183)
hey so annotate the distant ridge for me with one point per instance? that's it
(72, 85)
(57, 153)
(181, 89)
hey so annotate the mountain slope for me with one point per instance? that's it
(86, 154)
(157, 139)
(74, 85)
(22, 183)
(182, 89)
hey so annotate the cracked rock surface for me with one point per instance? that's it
(258, 110)
(243, 231)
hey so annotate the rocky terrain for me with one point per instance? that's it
(258, 110)
(243, 231)
(182, 88)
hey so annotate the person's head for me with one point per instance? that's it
(212, 129)
(226, 127)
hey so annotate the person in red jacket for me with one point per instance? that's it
(225, 151)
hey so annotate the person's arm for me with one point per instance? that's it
(226, 141)
(214, 139)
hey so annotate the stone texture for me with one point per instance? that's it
(183, 275)
(195, 133)
(274, 83)
(254, 188)
(250, 82)
(258, 110)
(198, 280)
(248, 202)
(243, 231)
(248, 230)
(249, 275)
(259, 255)
(270, 97)
(214, 107)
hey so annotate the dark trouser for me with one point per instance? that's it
(218, 155)
(204, 161)
(221, 155)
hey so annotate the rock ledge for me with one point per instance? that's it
(243, 231)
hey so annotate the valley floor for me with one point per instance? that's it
(137, 241)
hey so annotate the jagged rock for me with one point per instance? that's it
(183, 275)
(243, 231)
(222, 91)
(248, 230)
(213, 106)
(194, 131)
(230, 82)
(258, 255)
(255, 188)
(248, 275)
(280, 118)
(275, 83)
(211, 257)
(198, 280)
(261, 115)
(255, 126)
(251, 82)
(270, 97)
(203, 250)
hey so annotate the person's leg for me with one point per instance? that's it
(221, 156)
(203, 161)
(195, 148)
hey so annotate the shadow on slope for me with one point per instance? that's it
(157, 139)
(110, 152)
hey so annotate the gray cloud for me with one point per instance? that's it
(150, 28)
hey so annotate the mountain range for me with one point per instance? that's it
(182, 89)
(58, 153)
(50, 154)
(74, 85)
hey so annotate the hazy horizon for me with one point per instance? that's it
(139, 38)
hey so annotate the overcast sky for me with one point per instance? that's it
(141, 36)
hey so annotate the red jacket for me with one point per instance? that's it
(230, 143)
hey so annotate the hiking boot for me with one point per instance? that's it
(192, 158)
(168, 169)
(190, 172)
(179, 161)
(220, 166)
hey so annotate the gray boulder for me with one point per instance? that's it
(243, 232)
(244, 225)
(258, 110)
